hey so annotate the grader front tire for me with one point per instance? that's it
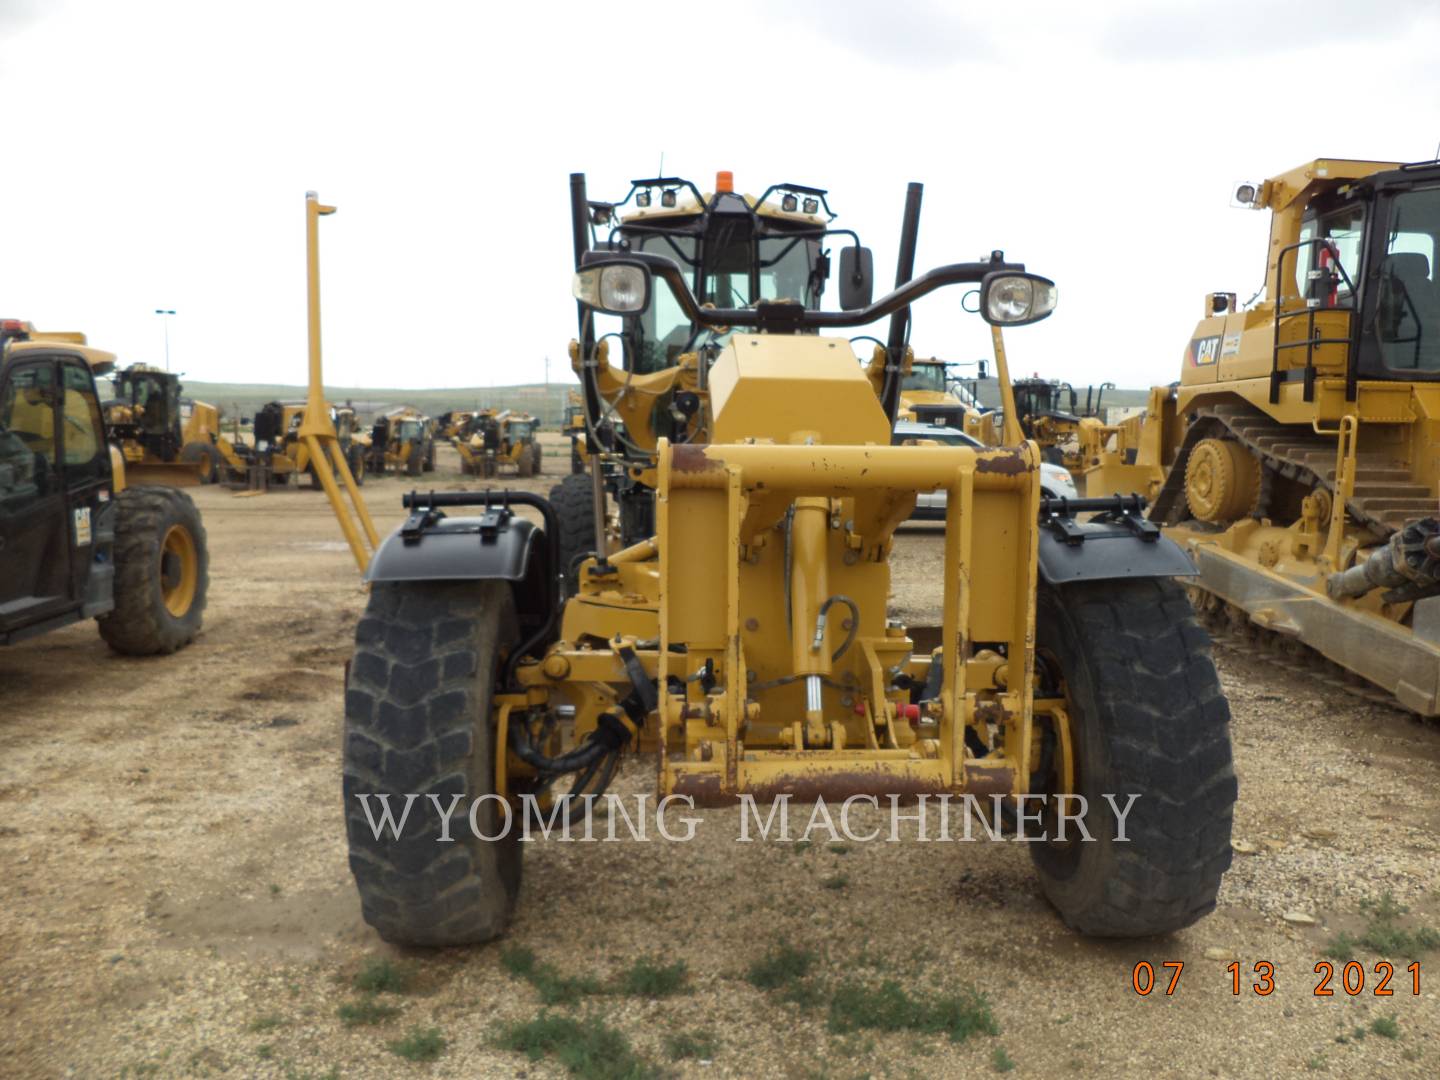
(162, 572)
(1222, 481)
(1147, 718)
(418, 721)
(574, 502)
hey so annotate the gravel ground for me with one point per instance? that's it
(175, 901)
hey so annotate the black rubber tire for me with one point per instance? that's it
(537, 456)
(196, 453)
(418, 720)
(577, 460)
(1148, 718)
(574, 503)
(414, 462)
(140, 624)
(430, 458)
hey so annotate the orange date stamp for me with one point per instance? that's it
(1328, 978)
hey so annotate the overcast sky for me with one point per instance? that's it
(157, 154)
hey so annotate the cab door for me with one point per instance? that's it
(35, 568)
(85, 468)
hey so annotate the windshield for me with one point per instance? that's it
(664, 329)
(1407, 303)
(926, 377)
(407, 429)
(519, 430)
(1345, 228)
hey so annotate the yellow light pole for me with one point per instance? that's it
(317, 430)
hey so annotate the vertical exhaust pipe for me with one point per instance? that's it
(580, 235)
(900, 321)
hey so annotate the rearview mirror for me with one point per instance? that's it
(1011, 299)
(615, 288)
(857, 278)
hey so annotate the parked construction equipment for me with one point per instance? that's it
(744, 637)
(493, 440)
(86, 534)
(1295, 458)
(402, 441)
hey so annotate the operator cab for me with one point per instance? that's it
(1371, 247)
(734, 250)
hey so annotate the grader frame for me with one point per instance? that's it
(747, 642)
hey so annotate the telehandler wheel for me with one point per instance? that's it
(162, 572)
(418, 722)
(574, 503)
(206, 457)
(1147, 718)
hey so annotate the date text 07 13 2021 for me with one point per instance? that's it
(1352, 979)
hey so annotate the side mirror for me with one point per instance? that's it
(857, 278)
(1011, 299)
(614, 288)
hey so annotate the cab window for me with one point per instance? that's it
(84, 434)
(27, 414)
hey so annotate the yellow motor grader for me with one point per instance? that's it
(745, 641)
(401, 441)
(1296, 457)
(494, 439)
(84, 533)
(929, 394)
(152, 424)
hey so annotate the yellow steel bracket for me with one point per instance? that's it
(1345, 444)
(317, 430)
(1013, 435)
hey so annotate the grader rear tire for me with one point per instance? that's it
(418, 722)
(574, 503)
(206, 458)
(413, 462)
(1147, 718)
(1222, 481)
(162, 572)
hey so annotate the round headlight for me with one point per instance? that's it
(1010, 299)
(622, 288)
(1019, 298)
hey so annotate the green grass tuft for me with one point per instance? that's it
(1383, 934)
(553, 987)
(697, 1045)
(780, 967)
(1002, 1061)
(382, 976)
(1387, 1027)
(268, 1022)
(889, 1008)
(589, 1049)
(649, 978)
(419, 1044)
(837, 882)
(365, 1012)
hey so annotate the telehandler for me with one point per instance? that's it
(84, 534)
(1296, 457)
(745, 640)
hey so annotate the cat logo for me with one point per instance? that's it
(1205, 350)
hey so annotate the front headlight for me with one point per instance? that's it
(618, 289)
(1016, 299)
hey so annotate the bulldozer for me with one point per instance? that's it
(1295, 458)
(744, 641)
(86, 533)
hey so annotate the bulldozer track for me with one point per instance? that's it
(1385, 496)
